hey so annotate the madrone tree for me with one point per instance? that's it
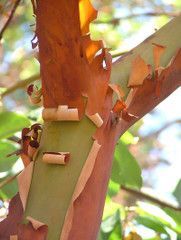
(89, 102)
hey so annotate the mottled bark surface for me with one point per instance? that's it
(73, 75)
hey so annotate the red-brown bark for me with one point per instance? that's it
(68, 72)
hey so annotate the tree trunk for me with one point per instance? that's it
(72, 75)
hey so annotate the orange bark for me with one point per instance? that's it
(70, 71)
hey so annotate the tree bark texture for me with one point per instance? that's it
(72, 74)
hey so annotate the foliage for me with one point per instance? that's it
(18, 62)
(11, 122)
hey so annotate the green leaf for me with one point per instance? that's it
(111, 227)
(111, 207)
(151, 223)
(9, 190)
(166, 216)
(6, 163)
(179, 237)
(128, 138)
(177, 192)
(11, 123)
(125, 169)
(113, 188)
(175, 215)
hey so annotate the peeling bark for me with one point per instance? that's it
(73, 76)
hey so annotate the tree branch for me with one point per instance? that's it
(156, 133)
(142, 195)
(168, 36)
(118, 54)
(8, 180)
(14, 139)
(145, 98)
(9, 18)
(20, 84)
(116, 21)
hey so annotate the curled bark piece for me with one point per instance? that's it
(117, 89)
(67, 114)
(13, 237)
(119, 106)
(34, 42)
(86, 16)
(35, 223)
(61, 158)
(158, 50)
(35, 99)
(35, 94)
(90, 47)
(30, 133)
(24, 181)
(130, 96)
(140, 70)
(159, 71)
(27, 232)
(32, 148)
(25, 132)
(49, 114)
(107, 59)
(84, 176)
(37, 130)
(63, 113)
(30, 89)
(33, 89)
(25, 159)
(128, 117)
(25, 140)
(96, 119)
(36, 127)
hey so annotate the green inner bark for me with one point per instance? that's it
(168, 36)
(53, 185)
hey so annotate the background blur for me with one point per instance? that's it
(147, 158)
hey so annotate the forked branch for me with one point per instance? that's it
(9, 18)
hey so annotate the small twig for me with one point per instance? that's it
(20, 84)
(9, 19)
(15, 139)
(156, 133)
(17, 152)
(118, 54)
(8, 180)
(116, 21)
(143, 195)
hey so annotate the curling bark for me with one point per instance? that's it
(69, 199)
